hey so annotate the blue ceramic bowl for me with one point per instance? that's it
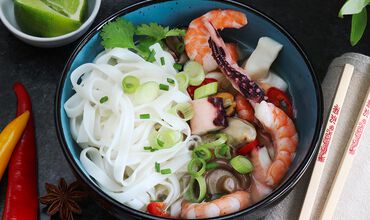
(292, 64)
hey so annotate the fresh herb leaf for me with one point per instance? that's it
(158, 32)
(359, 22)
(352, 7)
(119, 33)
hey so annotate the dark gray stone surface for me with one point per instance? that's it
(313, 23)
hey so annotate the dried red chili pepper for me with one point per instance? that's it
(248, 147)
(21, 196)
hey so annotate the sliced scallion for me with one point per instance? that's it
(167, 138)
(195, 72)
(163, 62)
(183, 81)
(103, 99)
(170, 81)
(212, 165)
(241, 164)
(202, 152)
(147, 92)
(164, 87)
(130, 84)
(177, 66)
(196, 167)
(147, 148)
(215, 140)
(183, 110)
(166, 171)
(222, 151)
(198, 183)
(206, 90)
(144, 116)
(157, 167)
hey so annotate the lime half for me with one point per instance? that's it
(49, 18)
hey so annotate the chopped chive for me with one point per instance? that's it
(151, 57)
(164, 87)
(180, 47)
(144, 116)
(177, 66)
(166, 171)
(160, 143)
(157, 167)
(148, 148)
(163, 62)
(103, 99)
(171, 81)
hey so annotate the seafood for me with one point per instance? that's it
(227, 204)
(284, 137)
(244, 108)
(197, 35)
(230, 68)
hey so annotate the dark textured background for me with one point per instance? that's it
(313, 23)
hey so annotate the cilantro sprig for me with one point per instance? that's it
(356, 8)
(122, 33)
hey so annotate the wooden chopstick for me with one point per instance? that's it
(347, 159)
(326, 142)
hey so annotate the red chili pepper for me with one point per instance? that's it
(206, 81)
(21, 196)
(281, 100)
(157, 209)
(248, 147)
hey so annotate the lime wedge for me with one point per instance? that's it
(49, 18)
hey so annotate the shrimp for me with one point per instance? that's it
(284, 137)
(197, 35)
(227, 204)
(244, 108)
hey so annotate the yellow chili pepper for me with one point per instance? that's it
(9, 137)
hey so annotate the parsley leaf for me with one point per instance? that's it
(119, 33)
(158, 32)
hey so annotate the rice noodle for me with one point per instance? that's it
(112, 135)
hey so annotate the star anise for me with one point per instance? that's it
(63, 199)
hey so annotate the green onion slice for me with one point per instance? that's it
(170, 81)
(103, 99)
(144, 116)
(130, 84)
(198, 183)
(166, 171)
(183, 110)
(164, 138)
(215, 140)
(163, 62)
(157, 167)
(182, 80)
(222, 151)
(196, 167)
(212, 165)
(195, 72)
(164, 87)
(147, 92)
(177, 66)
(206, 90)
(241, 164)
(180, 47)
(202, 152)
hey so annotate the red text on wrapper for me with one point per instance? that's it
(328, 135)
(360, 127)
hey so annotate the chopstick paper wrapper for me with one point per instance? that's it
(347, 159)
(326, 141)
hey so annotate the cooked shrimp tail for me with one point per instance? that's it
(227, 204)
(197, 35)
